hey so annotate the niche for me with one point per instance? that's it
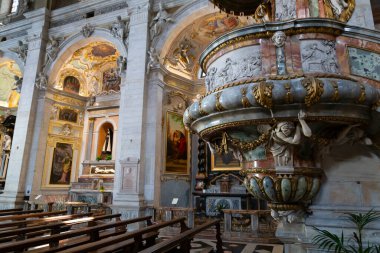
(105, 142)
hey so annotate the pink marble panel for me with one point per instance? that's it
(302, 7)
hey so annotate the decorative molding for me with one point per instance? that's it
(263, 94)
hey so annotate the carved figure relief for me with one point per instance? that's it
(158, 22)
(319, 56)
(121, 64)
(41, 81)
(52, 49)
(339, 9)
(21, 50)
(7, 143)
(183, 57)
(153, 59)
(87, 30)
(111, 81)
(233, 70)
(284, 136)
(118, 28)
(66, 130)
(263, 13)
(18, 84)
(285, 10)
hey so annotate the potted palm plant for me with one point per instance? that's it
(330, 242)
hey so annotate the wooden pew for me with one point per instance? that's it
(28, 216)
(36, 222)
(10, 210)
(128, 242)
(39, 229)
(87, 234)
(39, 221)
(184, 240)
(21, 212)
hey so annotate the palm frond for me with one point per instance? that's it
(326, 241)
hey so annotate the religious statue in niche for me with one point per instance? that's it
(108, 143)
(62, 164)
(111, 80)
(68, 115)
(71, 84)
(284, 136)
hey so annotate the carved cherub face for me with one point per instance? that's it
(279, 39)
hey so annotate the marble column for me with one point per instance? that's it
(27, 112)
(38, 149)
(128, 191)
(154, 136)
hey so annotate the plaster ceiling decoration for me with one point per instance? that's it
(8, 96)
(182, 57)
(88, 64)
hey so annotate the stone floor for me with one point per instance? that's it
(236, 247)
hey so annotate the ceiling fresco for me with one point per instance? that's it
(8, 96)
(87, 64)
(183, 55)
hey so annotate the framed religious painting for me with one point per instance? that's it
(71, 84)
(67, 114)
(223, 162)
(177, 145)
(62, 164)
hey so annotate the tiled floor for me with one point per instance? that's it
(236, 247)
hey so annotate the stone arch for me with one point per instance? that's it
(9, 55)
(77, 41)
(183, 17)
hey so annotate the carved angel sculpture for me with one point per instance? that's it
(159, 21)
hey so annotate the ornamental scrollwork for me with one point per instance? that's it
(263, 94)
(314, 90)
(339, 9)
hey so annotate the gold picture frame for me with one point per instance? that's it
(217, 163)
(177, 145)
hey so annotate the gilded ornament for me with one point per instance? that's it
(218, 105)
(340, 10)
(335, 96)
(244, 100)
(314, 90)
(250, 145)
(362, 96)
(263, 94)
(201, 111)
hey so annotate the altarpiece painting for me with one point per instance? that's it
(62, 163)
(177, 145)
